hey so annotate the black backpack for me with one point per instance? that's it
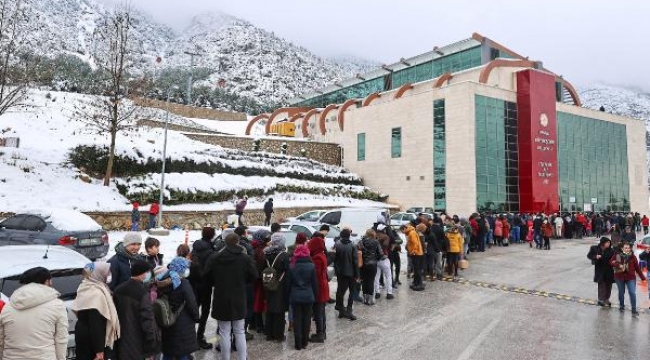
(270, 279)
(163, 313)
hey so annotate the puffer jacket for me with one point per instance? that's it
(346, 261)
(413, 243)
(455, 241)
(34, 325)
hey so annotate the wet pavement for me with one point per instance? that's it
(512, 303)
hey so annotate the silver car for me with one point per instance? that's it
(65, 265)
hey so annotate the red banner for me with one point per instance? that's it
(537, 130)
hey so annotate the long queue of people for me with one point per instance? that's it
(134, 307)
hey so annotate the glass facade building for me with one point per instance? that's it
(592, 159)
(439, 156)
(497, 175)
(428, 70)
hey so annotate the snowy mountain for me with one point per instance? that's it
(253, 62)
(617, 100)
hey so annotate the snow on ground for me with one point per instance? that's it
(37, 174)
(228, 127)
(168, 244)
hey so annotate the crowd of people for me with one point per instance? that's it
(138, 306)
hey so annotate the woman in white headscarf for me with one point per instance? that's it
(97, 323)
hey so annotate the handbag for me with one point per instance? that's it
(463, 264)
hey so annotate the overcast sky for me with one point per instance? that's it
(587, 41)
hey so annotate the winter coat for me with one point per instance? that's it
(632, 268)
(135, 216)
(645, 221)
(278, 301)
(230, 270)
(455, 242)
(436, 241)
(154, 209)
(241, 205)
(547, 230)
(268, 207)
(318, 257)
(370, 251)
(140, 336)
(180, 338)
(153, 260)
(302, 282)
(346, 259)
(34, 325)
(603, 271)
(90, 334)
(498, 228)
(201, 251)
(413, 243)
(120, 270)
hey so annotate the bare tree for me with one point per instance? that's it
(13, 75)
(115, 53)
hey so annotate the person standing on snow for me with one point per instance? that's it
(135, 216)
(34, 324)
(239, 209)
(154, 209)
(268, 210)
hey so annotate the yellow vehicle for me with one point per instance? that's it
(284, 129)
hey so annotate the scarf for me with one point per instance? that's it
(93, 293)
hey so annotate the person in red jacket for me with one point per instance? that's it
(317, 250)
(154, 209)
(626, 266)
(645, 222)
(2, 304)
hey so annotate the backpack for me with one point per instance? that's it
(270, 279)
(163, 313)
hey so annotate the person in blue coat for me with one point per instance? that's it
(126, 253)
(303, 289)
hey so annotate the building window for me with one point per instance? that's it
(592, 160)
(361, 146)
(396, 143)
(497, 164)
(439, 156)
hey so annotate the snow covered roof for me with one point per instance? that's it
(67, 220)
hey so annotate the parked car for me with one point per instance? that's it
(308, 216)
(309, 228)
(641, 245)
(420, 209)
(358, 219)
(65, 265)
(401, 218)
(68, 228)
(290, 237)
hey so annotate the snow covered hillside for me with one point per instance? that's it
(617, 100)
(253, 62)
(41, 173)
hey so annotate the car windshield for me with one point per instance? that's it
(290, 238)
(66, 282)
(310, 216)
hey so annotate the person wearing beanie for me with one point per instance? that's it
(179, 340)
(34, 324)
(346, 263)
(140, 338)
(126, 252)
(201, 284)
(603, 273)
(303, 289)
(268, 210)
(231, 270)
(276, 256)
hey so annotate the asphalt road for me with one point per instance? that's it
(516, 303)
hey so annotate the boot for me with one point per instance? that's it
(350, 315)
(343, 314)
(204, 345)
(317, 338)
(366, 299)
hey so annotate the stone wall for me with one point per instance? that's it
(191, 111)
(326, 153)
(175, 127)
(112, 221)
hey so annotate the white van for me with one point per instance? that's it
(358, 219)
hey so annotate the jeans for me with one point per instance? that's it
(152, 221)
(417, 269)
(237, 327)
(437, 260)
(631, 289)
(383, 267)
(204, 302)
(514, 233)
(267, 219)
(490, 237)
(239, 215)
(320, 318)
(301, 323)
